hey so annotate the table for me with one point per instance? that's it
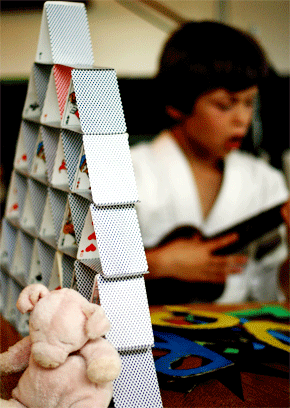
(210, 355)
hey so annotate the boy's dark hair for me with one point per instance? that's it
(202, 56)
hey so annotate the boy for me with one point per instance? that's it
(192, 174)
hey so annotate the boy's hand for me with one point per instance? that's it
(285, 212)
(193, 259)
(285, 267)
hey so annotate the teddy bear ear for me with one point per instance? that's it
(97, 324)
(30, 296)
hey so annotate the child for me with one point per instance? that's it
(193, 173)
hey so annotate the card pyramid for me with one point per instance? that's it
(70, 218)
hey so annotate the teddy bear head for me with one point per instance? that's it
(61, 322)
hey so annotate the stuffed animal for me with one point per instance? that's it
(68, 362)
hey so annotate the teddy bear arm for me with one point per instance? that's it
(16, 358)
(103, 360)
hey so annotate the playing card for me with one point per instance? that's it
(27, 220)
(47, 231)
(81, 183)
(64, 34)
(41, 78)
(4, 279)
(50, 137)
(35, 273)
(100, 106)
(46, 257)
(72, 144)
(18, 270)
(71, 117)
(8, 241)
(59, 176)
(26, 242)
(31, 109)
(138, 370)
(21, 186)
(62, 76)
(111, 171)
(38, 168)
(133, 311)
(38, 196)
(55, 281)
(68, 271)
(67, 240)
(30, 131)
(88, 252)
(20, 158)
(58, 201)
(119, 240)
(79, 207)
(12, 207)
(11, 313)
(84, 277)
(95, 298)
(50, 113)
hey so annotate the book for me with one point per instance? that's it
(248, 231)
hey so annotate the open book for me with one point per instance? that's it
(248, 230)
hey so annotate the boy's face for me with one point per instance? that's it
(219, 121)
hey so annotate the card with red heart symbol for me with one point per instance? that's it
(88, 247)
(59, 175)
(12, 206)
(20, 159)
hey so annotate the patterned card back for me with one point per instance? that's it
(58, 201)
(62, 75)
(67, 271)
(72, 144)
(41, 78)
(85, 279)
(119, 240)
(110, 169)
(38, 193)
(69, 33)
(4, 281)
(99, 102)
(50, 137)
(21, 185)
(8, 241)
(30, 133)
(79, 209)
(137, 385)
(126, 305)
(18, 272)
(20, 159)
(46, 257)
(11, 313)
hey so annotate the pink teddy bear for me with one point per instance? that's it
(67, 362)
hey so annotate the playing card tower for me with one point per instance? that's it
(70, 218)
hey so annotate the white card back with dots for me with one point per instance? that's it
(99, 102)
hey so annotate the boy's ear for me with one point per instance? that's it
(174, 113)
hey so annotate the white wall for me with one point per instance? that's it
(129, 43)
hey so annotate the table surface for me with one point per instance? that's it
(222, 355)
(210, 355)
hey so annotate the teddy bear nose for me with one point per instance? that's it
(48, 356)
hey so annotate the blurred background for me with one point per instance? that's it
(128, 35)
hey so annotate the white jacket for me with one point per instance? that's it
(169, 199)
